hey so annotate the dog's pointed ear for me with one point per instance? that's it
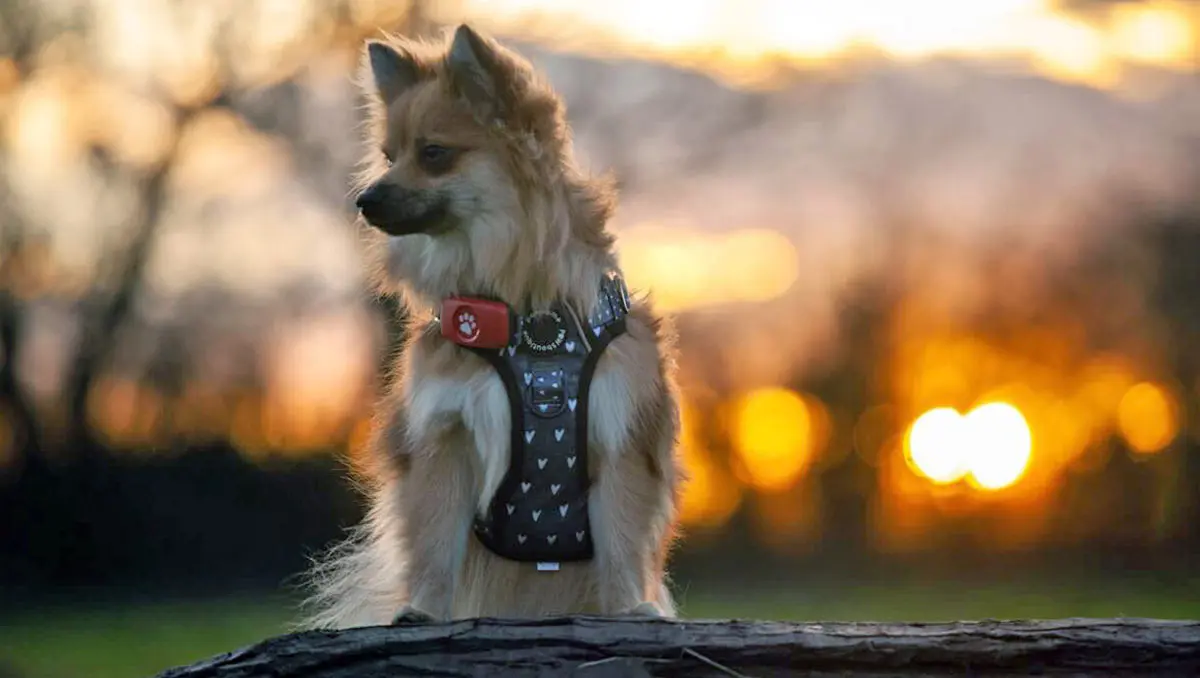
(474, 69)
(391, 71)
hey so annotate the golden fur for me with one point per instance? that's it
(524, 224)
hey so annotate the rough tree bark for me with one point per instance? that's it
(593, 647)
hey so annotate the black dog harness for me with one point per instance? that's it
(540, 511)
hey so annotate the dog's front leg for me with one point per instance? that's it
(620, 507)
(631, 512)
(463, 425)
(439, 500)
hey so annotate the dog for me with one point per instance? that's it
(470, 191)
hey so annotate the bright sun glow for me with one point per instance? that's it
(991, 445)
(1000, 445)
(937, 445)
(691, 269)
(729, 35)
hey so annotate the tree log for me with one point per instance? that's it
(598, 647)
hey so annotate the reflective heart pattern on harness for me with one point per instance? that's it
(543, 499)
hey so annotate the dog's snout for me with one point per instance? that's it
(370, 200)
(397, 210)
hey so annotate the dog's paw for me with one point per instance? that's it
(645, 608)
(411, 616)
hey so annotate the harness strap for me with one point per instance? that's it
(540, 510)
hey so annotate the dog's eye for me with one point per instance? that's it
(435, 159)
(387, 158)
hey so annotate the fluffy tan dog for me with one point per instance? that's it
(471, 188)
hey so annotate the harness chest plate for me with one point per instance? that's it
(540, 511)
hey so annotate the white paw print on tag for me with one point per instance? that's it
(468, 326)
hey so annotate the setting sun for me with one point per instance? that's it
(990, 446)
(937, 446)
(1000, 445)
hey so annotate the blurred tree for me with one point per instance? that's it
(53, 521)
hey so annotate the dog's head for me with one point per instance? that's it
(469, 183)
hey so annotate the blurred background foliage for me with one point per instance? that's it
(934, 266)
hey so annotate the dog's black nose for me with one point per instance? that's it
(371, 200)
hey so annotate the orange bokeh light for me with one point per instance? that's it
(773, 437)
(1148, 418)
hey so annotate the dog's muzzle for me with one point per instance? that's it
(398, 211)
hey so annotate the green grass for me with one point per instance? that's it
(138, 640)
(950, 601)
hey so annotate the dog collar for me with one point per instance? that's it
(483, 323)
